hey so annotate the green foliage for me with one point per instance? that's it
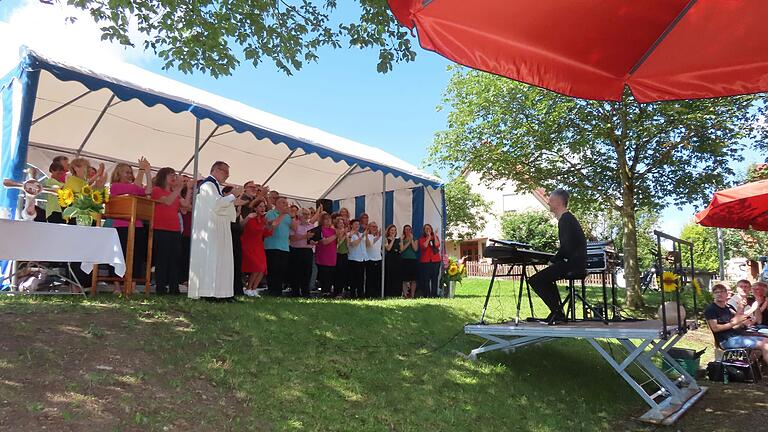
(606, 225)
(664, 153)
(622, 155)
(757, 172)
(536, 227)
(465, 210)
(745, 243)
(214, 36)
(704, 247)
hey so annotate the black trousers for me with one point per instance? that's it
(139, 249)
(56, 217)
(166, 248)
(82, 277)
(428, 278)
(543, 283)
(237, 255)
(393, 281)
(356, 277)
(325, 277)
(277, 264)
(373, 279)
(186, 244)
(300, 270)
(341, 275)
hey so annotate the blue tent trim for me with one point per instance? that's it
(126, 93)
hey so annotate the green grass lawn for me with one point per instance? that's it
(390, 365)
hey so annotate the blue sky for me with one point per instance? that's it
(342, 93)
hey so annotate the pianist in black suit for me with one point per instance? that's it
(569, 261)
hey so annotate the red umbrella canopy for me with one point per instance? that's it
(744, 207)
(592, 49)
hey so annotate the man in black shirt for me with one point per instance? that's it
(570, 259)
(729, 327)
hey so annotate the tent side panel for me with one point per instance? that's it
(417, 216)
(403, 208)
(18, 103)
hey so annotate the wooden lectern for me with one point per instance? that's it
(130, 208)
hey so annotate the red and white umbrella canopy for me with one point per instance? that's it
(592, 49)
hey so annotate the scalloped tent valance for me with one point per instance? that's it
(117, 112)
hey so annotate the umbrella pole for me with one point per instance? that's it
(721, 253)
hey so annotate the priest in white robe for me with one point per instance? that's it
(211, 267)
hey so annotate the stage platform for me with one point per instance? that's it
(639, 342)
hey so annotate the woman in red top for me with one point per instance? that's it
(429, 261)
(166, 242)
(252, 240)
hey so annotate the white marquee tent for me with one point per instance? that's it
(113, 112)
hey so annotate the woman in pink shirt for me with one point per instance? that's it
(325, 254)
(123, 182)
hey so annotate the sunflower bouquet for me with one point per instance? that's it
(83, 205)
(455, 271)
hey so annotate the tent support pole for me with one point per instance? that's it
(338, 180)
(383, 226)
(198, 148)
(96, 123)
(55, 110)
(196, 158)
(264, 183)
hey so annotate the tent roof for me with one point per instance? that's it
(116, 111)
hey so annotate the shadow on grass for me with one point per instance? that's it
(371, 366)
(375, 365)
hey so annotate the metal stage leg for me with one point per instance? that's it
(528, 287)
(605, 298)
(505, 344)
(488, 296)
(674, 400)
(520, 297)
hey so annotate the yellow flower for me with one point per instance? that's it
(66, 197)
(669, 281)
(96, 197)
(86, 191)
(453, 270)
(106, 195)
(697, 287)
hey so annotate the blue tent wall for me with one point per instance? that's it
(17, 98)
(407, 206)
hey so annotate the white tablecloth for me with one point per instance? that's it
(39, 241)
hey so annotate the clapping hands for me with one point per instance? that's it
(144, 164)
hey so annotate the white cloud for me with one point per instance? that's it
(46, 28)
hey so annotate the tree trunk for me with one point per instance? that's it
(631, 264)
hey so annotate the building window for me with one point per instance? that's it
(508, 202)
(470, 250)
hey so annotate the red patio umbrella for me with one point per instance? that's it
(744, 207)
(592, 49)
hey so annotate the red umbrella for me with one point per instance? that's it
(744, 207)
(661, 49)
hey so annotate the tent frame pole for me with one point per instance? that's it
(66, 104)
(287, 158)
(95, 124)
(338, 181)
(383, 226)
(200, 147)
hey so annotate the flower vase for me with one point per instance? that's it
(84, 220)
(451, 289)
